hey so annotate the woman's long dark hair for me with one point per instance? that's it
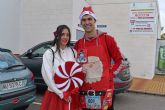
(57, 39)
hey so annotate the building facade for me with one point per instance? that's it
(26, 23)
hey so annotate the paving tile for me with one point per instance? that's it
(155, 86)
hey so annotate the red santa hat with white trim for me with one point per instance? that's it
(88, 11)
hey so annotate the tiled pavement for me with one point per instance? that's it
(155, 86)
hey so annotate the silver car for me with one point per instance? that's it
(17, 89)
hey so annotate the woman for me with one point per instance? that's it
(60, 52)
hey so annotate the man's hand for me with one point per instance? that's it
(75, 91)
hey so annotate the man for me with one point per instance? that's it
(100, 48)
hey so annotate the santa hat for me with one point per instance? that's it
(88, 11)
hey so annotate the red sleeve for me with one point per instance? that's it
(114, 52)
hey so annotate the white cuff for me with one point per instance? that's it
(61, 95)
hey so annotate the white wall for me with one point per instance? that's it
(25, 23)
(9, 24)
(139, 49)
(39, 19)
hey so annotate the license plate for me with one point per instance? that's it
(13, 85)
(93, 102)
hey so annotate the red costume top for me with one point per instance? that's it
(99, 73)
(111, 45)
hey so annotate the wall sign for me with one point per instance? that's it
(142, 18)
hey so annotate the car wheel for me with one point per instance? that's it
(22, 108)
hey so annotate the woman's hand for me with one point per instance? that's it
(67, 97)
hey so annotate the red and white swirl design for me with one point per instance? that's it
(68, 76)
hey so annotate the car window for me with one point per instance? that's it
(7, 59)
(41, 50)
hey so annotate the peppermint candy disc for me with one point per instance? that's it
(68, 76)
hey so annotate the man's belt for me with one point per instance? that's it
(92, 93)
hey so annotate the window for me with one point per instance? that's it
(79, 34)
